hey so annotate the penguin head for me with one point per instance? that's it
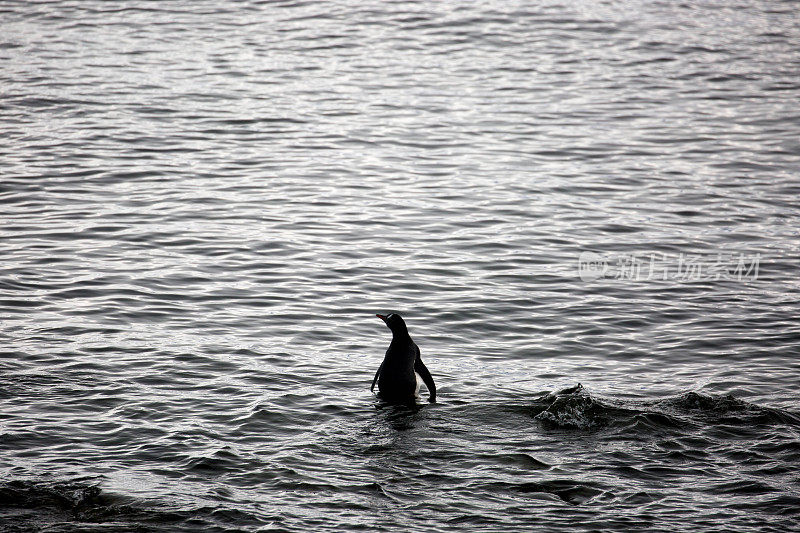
(394, 322)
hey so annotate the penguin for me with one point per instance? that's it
(402, 365)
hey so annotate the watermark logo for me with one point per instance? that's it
(669, 267)
(591, 266)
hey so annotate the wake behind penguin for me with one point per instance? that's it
(397, 375)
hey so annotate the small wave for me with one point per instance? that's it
(726, 409)
(576, 408)
(573, 408)
(704, 402)
(80, 499)
(81, 505)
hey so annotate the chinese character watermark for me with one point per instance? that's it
(673, 267)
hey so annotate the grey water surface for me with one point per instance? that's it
(204, 204)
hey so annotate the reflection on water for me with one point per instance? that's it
(203, 206)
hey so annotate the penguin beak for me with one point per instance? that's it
(382, 317)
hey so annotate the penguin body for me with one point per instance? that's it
(402, 368)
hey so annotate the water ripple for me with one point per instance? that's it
(203, 206)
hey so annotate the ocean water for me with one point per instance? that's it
(587, 212)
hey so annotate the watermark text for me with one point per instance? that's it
(669, 267)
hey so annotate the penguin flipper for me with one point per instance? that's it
(422, 370)
(375, 379)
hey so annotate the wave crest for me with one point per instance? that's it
(576, 408)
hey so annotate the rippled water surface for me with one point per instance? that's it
(204, 204)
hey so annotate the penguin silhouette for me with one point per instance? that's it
(397, 375)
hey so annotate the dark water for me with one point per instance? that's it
(204, 204)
